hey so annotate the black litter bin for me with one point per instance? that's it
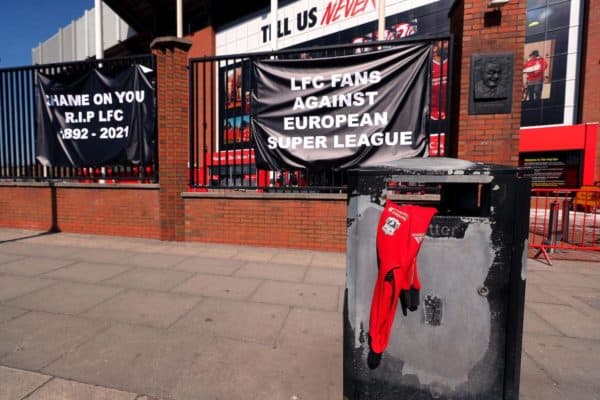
(463, 341)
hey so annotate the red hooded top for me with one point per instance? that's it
(400, 233)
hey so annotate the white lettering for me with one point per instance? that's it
(298, 104)
(321, 142)
(295, 142)
(68, 100)
(272, 142)
(336, 120)
(406, 138)
(69, 117)
(102, 98)
(355, 79)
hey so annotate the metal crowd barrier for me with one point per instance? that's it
(563, 219)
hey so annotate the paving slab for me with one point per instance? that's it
(5, 258)
(132, 358)
(253, 322)
(14, 286)
(33, 266)
(210, 265)
(570, 362)
(61, 389)
(256, 254)
(326, 276)
(16, 234)
(153, 260)
(578, 267)
(26, 248)
(35, 339)
(273, 271)
(311, 328)
(104, 254)
(15, 384)
(329, 260)
(149, 279)
(218, 286)
(536, 292)
(87, 272)
(8, 313)
(535, 383)
(533, 323)
(148, 308)
(569, 321)
(190, 249)
(259, 372)
(556, 280)
(584, 300)
(65, 298)
(87, 241)
(298, 294)
(591, 300)
(294, 257)
(200, 249)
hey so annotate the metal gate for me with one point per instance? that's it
(221, 151)
(18, 130)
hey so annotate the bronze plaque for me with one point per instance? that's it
(491, 83)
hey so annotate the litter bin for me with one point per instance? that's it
(463, 341)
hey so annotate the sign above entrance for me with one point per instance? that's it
(302, 21)
(335, 10)
(342, 112)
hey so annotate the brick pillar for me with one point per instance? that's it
(479, 29)
(173, 122)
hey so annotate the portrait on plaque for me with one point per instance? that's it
(491, 83)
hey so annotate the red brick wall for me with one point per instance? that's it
(294, 223)
(105, 211)
(26, 207)
(118, 212)
(489, 137)
(590, 98)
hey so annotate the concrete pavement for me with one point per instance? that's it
(93, 317)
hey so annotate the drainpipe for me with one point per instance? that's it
(381, 20)
(274, 32)
(99, 29)
(179, 19)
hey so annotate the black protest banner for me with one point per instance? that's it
(342, 112)
(95, 120)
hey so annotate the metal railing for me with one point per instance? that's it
(562, 219)
(18, 126)
(221, 149)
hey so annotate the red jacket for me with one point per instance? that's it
(400, 233)
(534, 69)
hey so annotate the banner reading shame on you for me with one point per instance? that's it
(98, 119)
(342, 112)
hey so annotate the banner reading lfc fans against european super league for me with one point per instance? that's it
(96, 119)
(355, 110)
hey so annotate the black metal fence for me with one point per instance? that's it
(18, 128)
(221, 142)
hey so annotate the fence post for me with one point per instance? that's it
(552, 225)
(172, 92)
(564, 226)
